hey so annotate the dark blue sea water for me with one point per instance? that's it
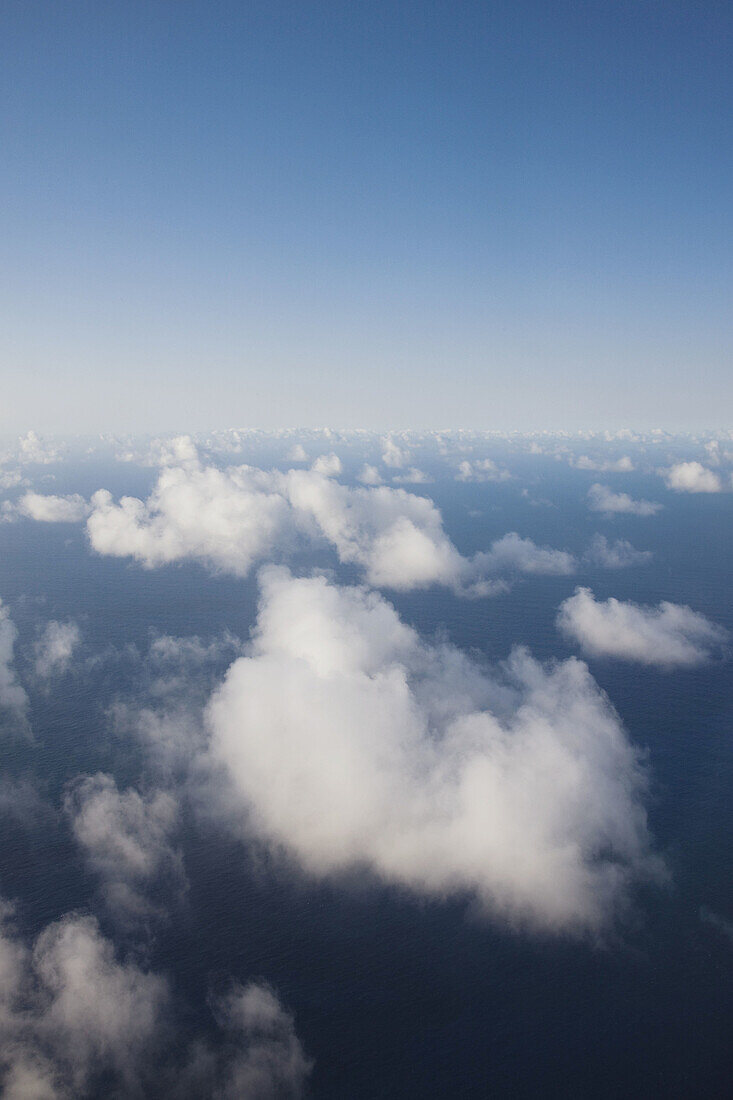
(394, 996)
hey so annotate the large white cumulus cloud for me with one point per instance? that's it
(351, 742)
(670, 635)
(236, 517)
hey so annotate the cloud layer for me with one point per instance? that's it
(234, 518)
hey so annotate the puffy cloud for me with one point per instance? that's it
(393, 455)
(615, 555)
(603, 499)
(668, 636)
(482, 469)
(512, 554)
(33, 449)
(352, 743)
(127, 840)
(692, 477)
(55, 648)
(297, 453)
(329, 465)
(12, 694)
(233, 518)
(369, 475)
(70, 1013)
(53, 509)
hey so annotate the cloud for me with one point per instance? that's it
(622, 465)
(76, 1021)
(55, 647)
(615, 555)
(127, 839)
(482, 469)
(12, 694)
(265, 1059)
(70, 1013)
(692, 477)
(668, 636)
(369, 475)
(329, 465)
(53, 509)
(233, 518)
(394, 455)
(412, 476)
(351, 743)
(297, 453)
(512, 554)
(603, 499)
(32, 449)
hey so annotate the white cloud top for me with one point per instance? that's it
(350, 742)
(668, 636)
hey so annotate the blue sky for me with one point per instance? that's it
(500, 215)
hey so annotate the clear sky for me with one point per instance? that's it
(502, 215)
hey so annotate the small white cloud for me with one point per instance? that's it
(329, 465)
(127, 840)
(615, 555)
(393, 455)
(55, 647)
(53, 509)
(692, 477)
(482, 469)
(668, 636)
(297, 453)
(602, 499)
(369, 475)
(34, 450)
